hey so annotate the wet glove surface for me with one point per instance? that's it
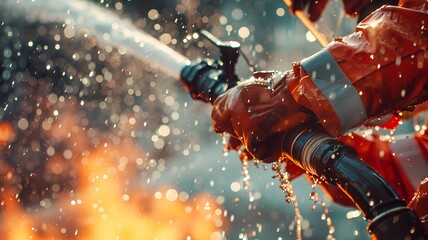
(257, 113)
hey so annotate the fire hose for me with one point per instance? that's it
(317, 153)
(307, 147)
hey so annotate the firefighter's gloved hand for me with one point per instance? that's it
(258, 112)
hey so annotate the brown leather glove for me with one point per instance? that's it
(258, 112)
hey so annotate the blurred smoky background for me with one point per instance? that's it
(95, 144)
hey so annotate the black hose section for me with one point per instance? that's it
(339, 165)
(401, 223)
(204, 80)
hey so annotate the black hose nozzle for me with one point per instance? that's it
(203, 80)
(229, 53)
(207, 79)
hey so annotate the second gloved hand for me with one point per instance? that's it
(259, 112)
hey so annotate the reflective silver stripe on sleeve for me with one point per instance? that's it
(336, 88)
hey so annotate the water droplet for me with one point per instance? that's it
(398, 61)
(289, 199)
(207, 206)
(323, 216)
(245, 175)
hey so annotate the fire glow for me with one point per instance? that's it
(106, 202)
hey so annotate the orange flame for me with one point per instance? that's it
(16, 223)
(108, 202)
(6, 133)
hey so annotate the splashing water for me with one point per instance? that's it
(290, 197)
(105, 26)
(324, 216)
(284, 179)
(245, 175)
(225, 144)
(314, 198)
